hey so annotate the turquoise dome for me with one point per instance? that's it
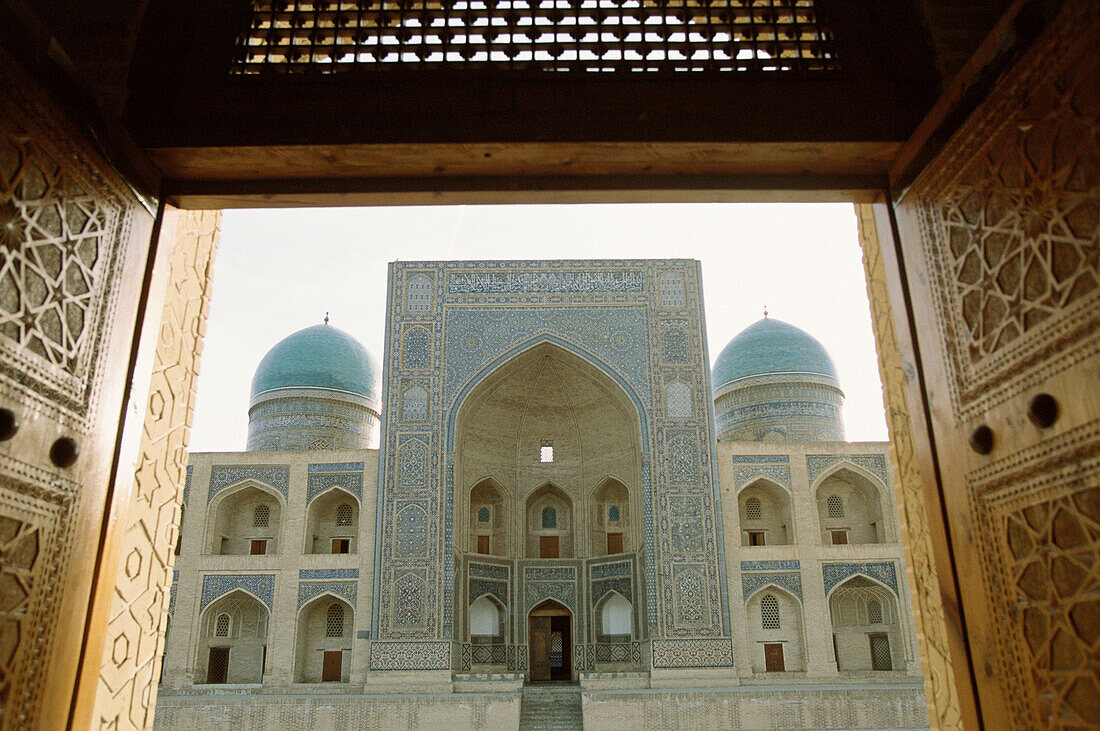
(323, 357)
(772, 347)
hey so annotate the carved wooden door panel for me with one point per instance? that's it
(540, 648)
(73, 243)
(1002, 253)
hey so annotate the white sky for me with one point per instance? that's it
(278, 271)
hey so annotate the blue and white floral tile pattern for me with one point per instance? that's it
(564, 593)
(318, 482)
(778, 473)
(873, 463)
(884, 571)
(612, 568)
(307, 590)
(223, 476)
(410, 655)
(324, 574)
(600, 587)
(412, 464)
(779, 565)
(481, 587)
(693, 653)
(500, 572)
(751, 583)
(262, 586)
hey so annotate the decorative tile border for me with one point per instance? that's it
(695, 653)
(624, 586)
(873, 463)
(607, 570)
(761, 458)
(223, 476)
(363, 634)
(187, 485)
(780, 474)
(536, 593)
(751, 583)
(835, 573)
(322, 574)
(489, 571)
(548, 573)
(481, 587)
(335, 467)
(318, 482)
(308, 590)
(782, 565)
(410, 655)
(214, 586)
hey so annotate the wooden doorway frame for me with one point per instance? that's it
(551, 610)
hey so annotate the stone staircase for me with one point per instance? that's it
(551, 707)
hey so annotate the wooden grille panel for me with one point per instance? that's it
(536, 35)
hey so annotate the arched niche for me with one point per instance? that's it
(614, 618)
(550, 642)
(612, 530)
(867, 630)
(232, 646)
(246, 520)
(324, 638)
(545, 415)
(776, 637)
(549, 517)
(332, 523)
(489, 520)
(764, 511)
(849, 508)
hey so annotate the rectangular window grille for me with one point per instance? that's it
(587, 36)
(546, 452)
(880, 652)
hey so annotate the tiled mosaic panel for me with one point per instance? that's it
(693, 653)
(309, 590)
(884, 572)
(410, 655)
(223, 476)
(816, 464)
(319, 479)
(751, 583)
(261, 586)
(599, 318)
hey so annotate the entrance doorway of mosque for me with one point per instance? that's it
(550, 640)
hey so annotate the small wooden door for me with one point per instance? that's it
(217, 668)
(773, 657)
(540, 648)
(614, 543)
(483, 545)
(331, 666)
(258, 548)
(548, 546)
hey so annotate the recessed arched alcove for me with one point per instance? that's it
(332, 523)
(324, 638)
(775, 631)
(764, 511)
(866, 624)
(545, 429)
(849, 506)
(232, 645)
(245, 519)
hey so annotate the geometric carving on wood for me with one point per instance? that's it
(130, 667)
(1041, 519)
(1011, 220)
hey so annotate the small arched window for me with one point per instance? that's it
(614, 515)
(752, 508)
(874, 611)
(261, 516)
(549, 517)
(483, 514)
(334, 621)
(343, 514)
(834, 506)
(221, 625)
(769, 612)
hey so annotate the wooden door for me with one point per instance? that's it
(540, 648)
(548, 546)
(331, 665)
(614, 543)
(217, 668)
(72, 271)
(483, 544)
(773, 657)
(999, 243)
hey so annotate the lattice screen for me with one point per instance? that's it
(334, 621)
(221, 626)
(261, 516)
(834, 506)
(769, 612)
(880, 653)
(752, 509)
(537, 35)
(343, 514)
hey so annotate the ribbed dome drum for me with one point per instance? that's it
(776, 382)
(316, 389)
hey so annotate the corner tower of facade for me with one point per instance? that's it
(776, 382)
(316, 389)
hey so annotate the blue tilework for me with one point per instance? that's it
(480, 587)
(261, 586)
(549, 573)
(760, 458)
(615, 568)
(308, 590)
(223, 476)
(779, 474)
(335, 467)
(693, 653)
(490, 571)
(410, 655)
(319, 482)
(771, 346)
(321, 574)
(321, 356)
(781, 565)
(172, 593)
(873, 463)
(835, 573)
(363, 634)
(490, 282)
(791, 581)
(187, 485)
(624, 586)
(560, 591)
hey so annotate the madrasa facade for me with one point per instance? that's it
(543, 495)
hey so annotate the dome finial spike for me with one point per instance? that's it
(326, 318)
(765, 313)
